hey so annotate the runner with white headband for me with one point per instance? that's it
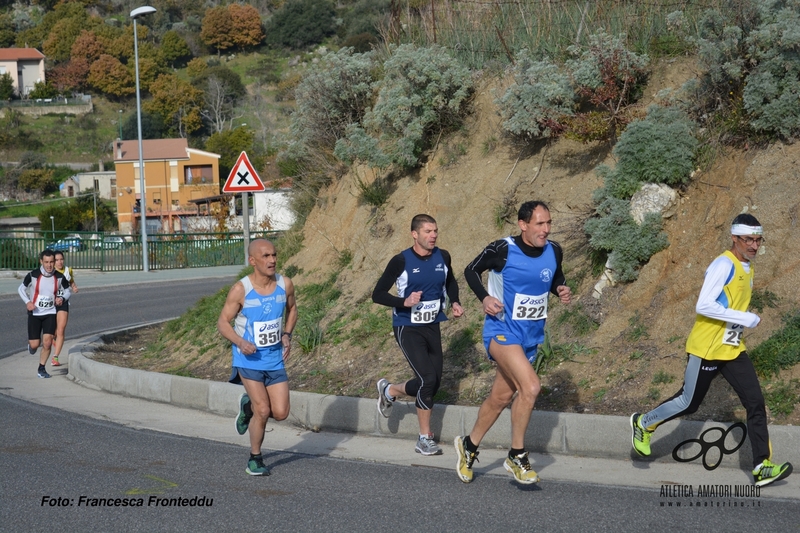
(716, 346)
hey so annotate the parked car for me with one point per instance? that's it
(70, 244)
(112, 242)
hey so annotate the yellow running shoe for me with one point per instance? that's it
(640, 437)
(769, 472)
(521, 468)
(464, 460)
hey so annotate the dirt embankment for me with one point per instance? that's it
(635, 357)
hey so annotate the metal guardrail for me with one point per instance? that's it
(106, 252)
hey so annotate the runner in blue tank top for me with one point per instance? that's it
(523, 272)
(424, 280)
(262, 305)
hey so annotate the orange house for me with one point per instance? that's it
(174, 175)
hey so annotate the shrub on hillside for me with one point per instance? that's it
(336, 92)
(608, 78)
(627, 243)
(772, 93)
(423, 91)
(751, 68)
(658, 149)
(535, 105)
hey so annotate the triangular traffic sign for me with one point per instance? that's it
(243, 178)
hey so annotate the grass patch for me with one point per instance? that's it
(653, 394)
(637, 329)
(313, 303)
(761, 299)
(371, 323)
(465, 339)
(781, 350)
(782, 397)
(598, 395)
(376, 193)
(578, 319)
(662, 377)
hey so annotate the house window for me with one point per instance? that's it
(199, 174)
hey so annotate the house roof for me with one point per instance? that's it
(20, 54)
(152, 149)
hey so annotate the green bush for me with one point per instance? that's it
(658, 149)
(749, 59)
(423, 91)
(627, 243)
(301, 23)
(535, 105)
(771, 92)
(335, 93)
(7, 91)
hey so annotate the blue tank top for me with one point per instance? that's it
(524, 288)
(261, 322)
(428, 275)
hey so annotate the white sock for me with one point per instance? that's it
(386, 393)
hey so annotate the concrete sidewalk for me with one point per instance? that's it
(566, 447)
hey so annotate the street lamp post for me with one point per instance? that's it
(53, 226)
(120, 124)
(136, 13)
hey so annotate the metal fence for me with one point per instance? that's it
(106, 252)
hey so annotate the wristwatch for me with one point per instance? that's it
(287, 333)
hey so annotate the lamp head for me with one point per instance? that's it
(141, 11)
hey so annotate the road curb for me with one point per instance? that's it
(584, 435)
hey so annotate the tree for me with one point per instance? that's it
(218, 103)
(70, 76)
(58, 44)
(149, 70)
(229, 144)
(110, 76)
(7, 91)
(78, 215)
(178, 104)
(174, 50)
(247, 31)
(196, 67)
(301, 23)
(37, 179)
(7, 31)
(152, 126)
(217, 29)
(43, 89)
(88, 47)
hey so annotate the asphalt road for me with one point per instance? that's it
(98, 309)
(62, 471)
(57, 467)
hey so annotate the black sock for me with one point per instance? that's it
(248, 410)
(255, 456)
(513, 452)
(469, 446)
(41, 367)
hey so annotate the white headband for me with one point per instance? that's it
(743, 229)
